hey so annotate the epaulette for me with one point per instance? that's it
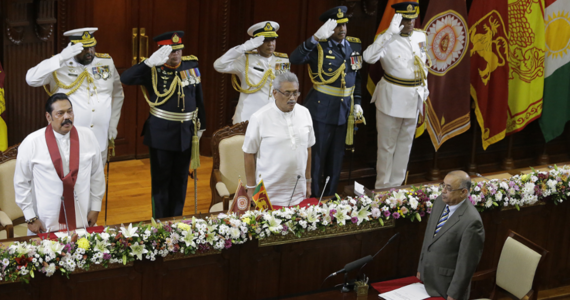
(102, 55)
(189, 57)
(279, 54)
(353, 39)
(251, 52)
(323, 40)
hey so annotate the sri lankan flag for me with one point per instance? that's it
(489, 49)
(448, 106)
(526, 62)
(556, 109)
(375, 72)
(3, 128)
(261, 198)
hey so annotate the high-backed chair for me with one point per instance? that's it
(228, 166)
(12, 222)
(515, 274)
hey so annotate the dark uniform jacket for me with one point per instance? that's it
(326, 108)
(163, 134)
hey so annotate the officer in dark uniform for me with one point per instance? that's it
(172, 88)
(335, 93)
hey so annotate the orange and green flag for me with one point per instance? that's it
(556, 106)
(261, 198)
(489, 49)
(526, 62)
(3, 127)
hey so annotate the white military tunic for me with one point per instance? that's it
(280, 141)
(98, 109)
(38, 188)
(233, 62)
(397, 106)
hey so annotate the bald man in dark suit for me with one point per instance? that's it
(453, 241)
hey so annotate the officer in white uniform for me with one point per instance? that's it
(400, 93)
(91, 82)
(256, 64)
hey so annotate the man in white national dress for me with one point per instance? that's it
(59, 173)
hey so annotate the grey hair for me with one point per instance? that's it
(284, 77)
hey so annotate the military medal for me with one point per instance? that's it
(422, 46)
(105, 75)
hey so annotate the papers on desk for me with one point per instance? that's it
(79, 231)
(414, 291)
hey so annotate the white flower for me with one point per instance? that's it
(528, 188)
(101, 246)
(504, 185)
(375, 213)
(5, 262)
(551, 184)
(362, 214)
(273, 224)
(138, 251)
(429, 204)
(512, 191)
(498, 196)
(489, 202)
(234, 232)
(50, 269)
(129, 231)
(413, 202)
(533, 178)
(105, 236)
(341, 216)
(477, 188)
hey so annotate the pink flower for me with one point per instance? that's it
(386, 213)
(396, 215)
(404, 210)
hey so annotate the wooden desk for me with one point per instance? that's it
(336, 294)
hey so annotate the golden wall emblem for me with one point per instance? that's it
(489, 47)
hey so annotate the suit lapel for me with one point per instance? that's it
(435, 214)
(451, 221)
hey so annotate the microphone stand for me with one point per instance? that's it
(81, 214)
(65, 214)
(294, 188)
(323, 192)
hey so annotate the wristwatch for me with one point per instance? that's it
(32, 220)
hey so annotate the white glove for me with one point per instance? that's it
(253, 43)
(112, 133)
(70, 51)
(200, 132)
(326, 30)
(395, 26)
(159, 57)
(358, 112)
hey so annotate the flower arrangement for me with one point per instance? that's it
(22, 260)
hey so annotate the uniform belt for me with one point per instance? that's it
(173, 116)
(334, 91)
(403, 82)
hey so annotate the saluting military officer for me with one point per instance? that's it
(89, 79)
(256, 64)
(399, 95)
(334, 64)
(173, 90)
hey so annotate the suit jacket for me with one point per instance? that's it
(326, 108)
(448, 260)
(163, 134)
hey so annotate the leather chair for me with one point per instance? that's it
(516, 271)
(228, 166)
(12, 222)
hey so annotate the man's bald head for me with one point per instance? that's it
(458, 187)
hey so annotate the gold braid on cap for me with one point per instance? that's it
(252, 88)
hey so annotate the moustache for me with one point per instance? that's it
(68, 121)
(291, 102)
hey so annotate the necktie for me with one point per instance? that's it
(442, 220)
(340, 49)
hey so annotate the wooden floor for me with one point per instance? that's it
(130, 189)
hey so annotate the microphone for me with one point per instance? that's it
(353, 265)
(479, 175)
(324, 187)
(295, 187)
(387, 243)
(65, 214)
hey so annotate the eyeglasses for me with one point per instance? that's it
(447, 187)
(289, 94)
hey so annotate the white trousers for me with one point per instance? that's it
(395, 137)
(104, 157)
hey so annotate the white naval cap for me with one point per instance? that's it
(82, 35)
(266, 28)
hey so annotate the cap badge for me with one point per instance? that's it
(175, 38)
(410, 8)
(86, 35)
(268, 27)
(340, 14)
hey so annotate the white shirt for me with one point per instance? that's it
(233, 62)
(280, 140)
(39, 189)
(453, 208)
(98, 109)
(396, 54)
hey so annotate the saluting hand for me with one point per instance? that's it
(395, 26)
(159, 57)
(71, 50)
(326, 30)
(253, 43)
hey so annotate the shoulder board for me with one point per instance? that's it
(189, 57)
(103, 55)
(279, 54)
(420, 30)
(251, 52)
(353, 39)
(323, 40)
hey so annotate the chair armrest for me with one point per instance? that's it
(222, 189)
(217, 175)
(483, 275)
(4, 219)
